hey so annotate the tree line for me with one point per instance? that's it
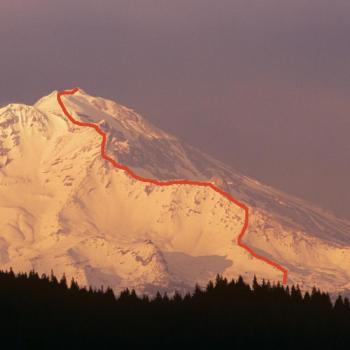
(41, 312)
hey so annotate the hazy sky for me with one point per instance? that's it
(261, 84)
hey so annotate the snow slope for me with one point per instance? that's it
(63, 207)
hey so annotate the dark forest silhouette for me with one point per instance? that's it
(44, 312)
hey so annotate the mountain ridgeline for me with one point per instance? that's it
(44, 312)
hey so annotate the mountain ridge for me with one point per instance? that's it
(171, 182)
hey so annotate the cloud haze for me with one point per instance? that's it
(262, 85)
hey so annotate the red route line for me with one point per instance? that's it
(170, 183)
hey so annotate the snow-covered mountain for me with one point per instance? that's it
(64, 208)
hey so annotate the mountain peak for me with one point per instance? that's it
(99, 110)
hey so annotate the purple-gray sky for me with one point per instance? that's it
(261, 84)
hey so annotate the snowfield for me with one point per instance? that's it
(64, 208)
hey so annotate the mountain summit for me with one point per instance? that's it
(64, 208)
